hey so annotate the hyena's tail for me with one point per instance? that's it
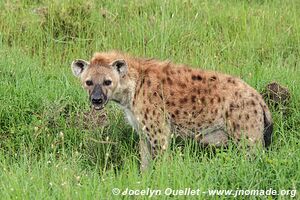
(268, 125)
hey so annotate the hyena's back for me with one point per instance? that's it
(194, 101)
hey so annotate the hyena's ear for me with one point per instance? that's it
(78, 66)
(120, 66)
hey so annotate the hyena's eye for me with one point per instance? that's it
(89, 82)
(107, 82)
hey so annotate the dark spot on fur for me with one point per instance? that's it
(185, 113)
(159, 130)
(149, 83)
(255, 111)
(240, 116)
(153, 112)
(194, 107)
(231, 107)
(155, 141)
(183, 100)
(226, 114)
(212, 100)
(247, 116)
(219, 99)
(147, 129)
(176, 112)
(196, 78)
(213, 78)
(163, 81)
(253, 103)
(142, 82)
(236, 127)
(173, 116)
(146, 116)
(172, 93)
(233, 125)
(193, 98)
(183, 85)
(203, 101)
(160, 95)
(169, 80)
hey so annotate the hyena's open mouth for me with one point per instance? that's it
(98, 106)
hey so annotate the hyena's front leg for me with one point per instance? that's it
(145, 153)
(154, 140)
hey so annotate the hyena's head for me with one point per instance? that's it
(100, 80)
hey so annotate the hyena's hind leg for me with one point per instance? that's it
(214, 135)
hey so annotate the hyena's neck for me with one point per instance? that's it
(124, 94)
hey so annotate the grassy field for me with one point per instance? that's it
(51, 149)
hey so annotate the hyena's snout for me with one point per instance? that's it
(98, 98)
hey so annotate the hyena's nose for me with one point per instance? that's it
(97, 100)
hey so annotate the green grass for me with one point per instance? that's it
(47, 151)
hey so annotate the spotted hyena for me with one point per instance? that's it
(161, 98)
